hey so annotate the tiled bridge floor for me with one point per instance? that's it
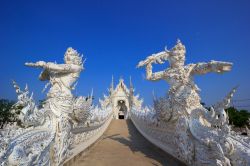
(123, 145)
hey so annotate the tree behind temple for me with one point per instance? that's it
(6, 115)
(238, 118)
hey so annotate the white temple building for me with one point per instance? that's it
(121, 99)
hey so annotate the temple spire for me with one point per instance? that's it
(130, 82)
(131, 88)
(112, 85)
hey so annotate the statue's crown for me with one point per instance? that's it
(70, 51)
(179, 46)
(77, 59)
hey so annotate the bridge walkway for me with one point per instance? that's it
(123, 145)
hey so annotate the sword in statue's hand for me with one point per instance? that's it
(41, 64)
(157, 58)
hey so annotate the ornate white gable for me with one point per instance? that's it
(121, 99)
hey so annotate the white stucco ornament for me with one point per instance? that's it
(180, 125)
(50, 135)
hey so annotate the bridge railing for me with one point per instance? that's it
(17, 142)
(84, 137)
(187, 146)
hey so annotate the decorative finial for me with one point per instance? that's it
(179, 46)
(178, 41)
(112, 83)
(121, 79)
(130, 82)
(18, 90)
(225, 103)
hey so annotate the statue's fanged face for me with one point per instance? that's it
(177, 57)
(68, 59)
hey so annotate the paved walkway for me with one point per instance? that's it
(123, 145)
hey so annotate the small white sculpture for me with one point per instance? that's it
(29, 115)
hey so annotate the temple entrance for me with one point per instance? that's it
(122, 109)
(121, 117)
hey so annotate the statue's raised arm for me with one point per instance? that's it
(158, 58)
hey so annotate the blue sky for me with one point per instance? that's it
(115, 35)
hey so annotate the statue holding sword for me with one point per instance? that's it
(60, 103)
(183, 93)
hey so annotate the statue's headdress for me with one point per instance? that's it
(75, 57)
(178, 50)
(179, 46)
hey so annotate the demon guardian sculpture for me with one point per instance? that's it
(182, 91)
(61, 78)
(193, 134)
(52, 133)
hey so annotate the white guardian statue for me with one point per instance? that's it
(193, 134)
(50, 135)
(183, 93)
(61, 78)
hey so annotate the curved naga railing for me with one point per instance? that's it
(61, 128)
(180, 125)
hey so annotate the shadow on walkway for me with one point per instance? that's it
(137, 143)
(123, 145)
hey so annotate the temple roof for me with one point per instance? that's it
(121, 87)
